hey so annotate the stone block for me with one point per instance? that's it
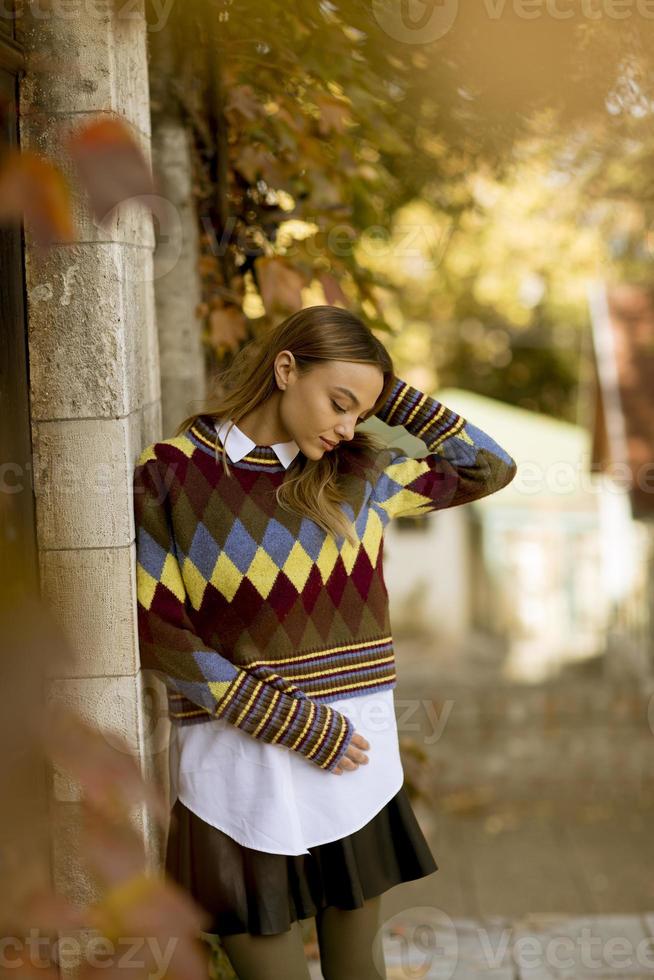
(72, 877)
(92, 350)
(112, 705)
(83, 478)
(131, 712)
(91, 594)
(128, 223)
(89, 57)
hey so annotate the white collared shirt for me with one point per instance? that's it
(267, 797)
(239, 445)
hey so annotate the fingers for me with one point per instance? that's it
(353, 757)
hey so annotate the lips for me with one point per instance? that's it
(328, 443)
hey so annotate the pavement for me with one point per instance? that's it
(537, 801)
(425, 943)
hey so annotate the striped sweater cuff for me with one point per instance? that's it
(315, 730)
(420, 414)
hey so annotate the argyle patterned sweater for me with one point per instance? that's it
(258, 616)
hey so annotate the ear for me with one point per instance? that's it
(284, 367)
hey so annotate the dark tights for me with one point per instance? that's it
(347, 939)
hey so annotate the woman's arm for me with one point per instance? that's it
(257, 701)
(463, 463)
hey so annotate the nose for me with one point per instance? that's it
(345, 431)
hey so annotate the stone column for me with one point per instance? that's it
(177, 280)
(95, 388)
(176, 269)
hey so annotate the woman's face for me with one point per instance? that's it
(325, 403)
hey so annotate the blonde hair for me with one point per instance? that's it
(311, 488)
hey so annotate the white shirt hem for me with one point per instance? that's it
(229, 831)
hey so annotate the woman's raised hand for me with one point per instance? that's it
(353, 757)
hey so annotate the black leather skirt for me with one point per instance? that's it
(245, 890)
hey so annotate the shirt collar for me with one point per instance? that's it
(239, 445)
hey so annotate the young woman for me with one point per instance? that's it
(262, 605)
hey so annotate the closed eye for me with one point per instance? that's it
(339, 408)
